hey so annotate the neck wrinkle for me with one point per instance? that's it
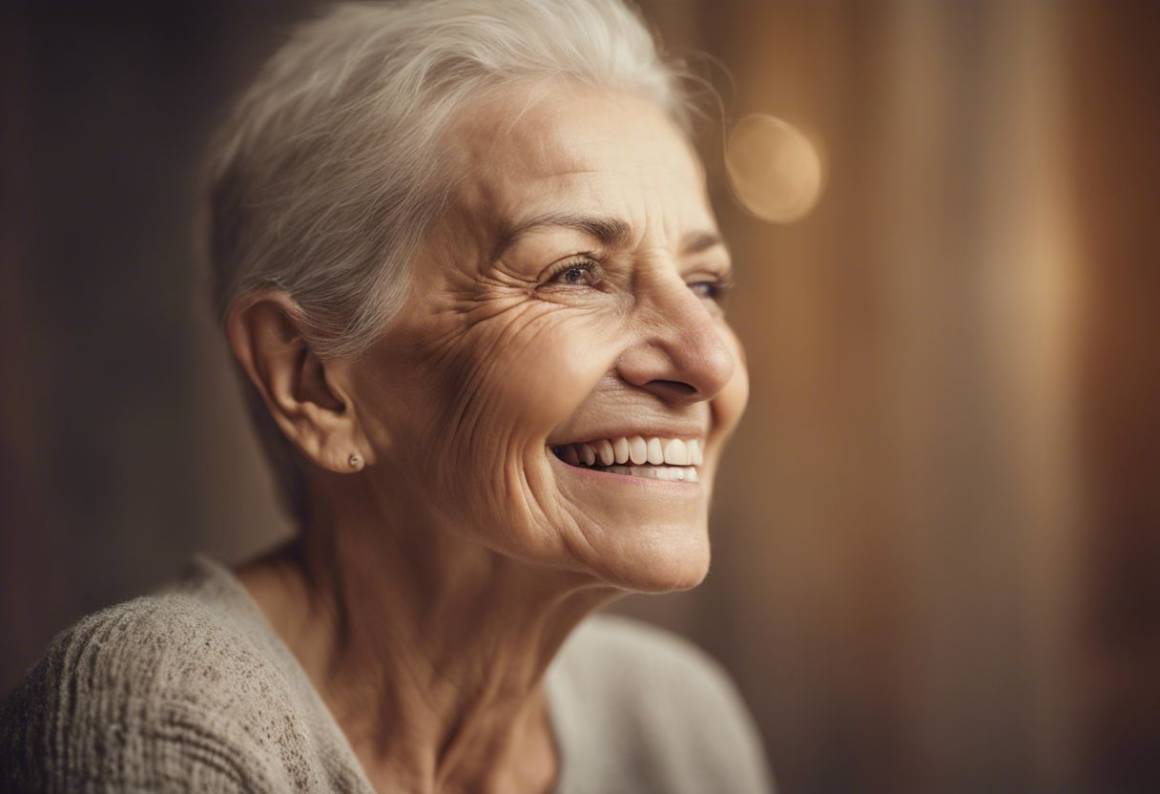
(429, 651)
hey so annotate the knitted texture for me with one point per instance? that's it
(191, 690)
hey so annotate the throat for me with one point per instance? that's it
(481, 752)
(435, 679)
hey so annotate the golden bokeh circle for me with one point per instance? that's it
(775, 171)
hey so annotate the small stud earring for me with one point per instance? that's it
(355, 461)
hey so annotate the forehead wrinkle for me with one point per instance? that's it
(515, 155)
(488, 196)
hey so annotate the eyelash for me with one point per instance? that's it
(716, 289)
(583, 264)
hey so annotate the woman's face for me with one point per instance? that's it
(565, 312)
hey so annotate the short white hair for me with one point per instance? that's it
(326, 178)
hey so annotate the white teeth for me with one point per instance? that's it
(695, 452)
(668, 458)
(675, 453)
(620, 447)
(587, 454)
(637, 450)
(687, 474)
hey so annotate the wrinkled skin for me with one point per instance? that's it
(499, 357)
(432, 586)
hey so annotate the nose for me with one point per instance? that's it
(679, 351)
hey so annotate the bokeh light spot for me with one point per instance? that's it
(775, 170)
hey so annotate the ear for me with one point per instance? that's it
(305, 394)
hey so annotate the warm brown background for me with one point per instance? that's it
(938, 537)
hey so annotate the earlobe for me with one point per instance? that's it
(299, 389)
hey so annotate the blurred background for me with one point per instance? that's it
(937, 538)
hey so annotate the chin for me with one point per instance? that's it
(662, 560)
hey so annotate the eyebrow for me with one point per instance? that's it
(607, 230)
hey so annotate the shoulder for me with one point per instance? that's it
(158, 692)
(654, 691)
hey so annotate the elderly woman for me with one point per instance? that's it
(465, 261)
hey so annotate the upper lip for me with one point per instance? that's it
(684, 432)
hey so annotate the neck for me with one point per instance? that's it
(429, 650)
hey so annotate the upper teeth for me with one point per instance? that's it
(633, 449)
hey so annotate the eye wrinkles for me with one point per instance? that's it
(555, 263)
(581, 274)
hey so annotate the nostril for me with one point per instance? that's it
(675, 388)
(680, 363)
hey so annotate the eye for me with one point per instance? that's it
(712, 289)
(576, 272)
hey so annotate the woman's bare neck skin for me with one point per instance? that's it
(429, 651)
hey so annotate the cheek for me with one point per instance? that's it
(523, 381)
(485, 400)
(542, 379)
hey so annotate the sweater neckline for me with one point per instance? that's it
(207, 568)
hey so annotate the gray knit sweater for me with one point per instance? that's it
(191, 690)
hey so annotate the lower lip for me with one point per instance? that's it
(684, 487)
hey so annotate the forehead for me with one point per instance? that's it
(548, 148)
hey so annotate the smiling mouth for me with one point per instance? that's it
(670, 459)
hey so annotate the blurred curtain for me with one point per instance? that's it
(1113, 88)
(904, 576)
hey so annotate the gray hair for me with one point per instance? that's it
(326, 178)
